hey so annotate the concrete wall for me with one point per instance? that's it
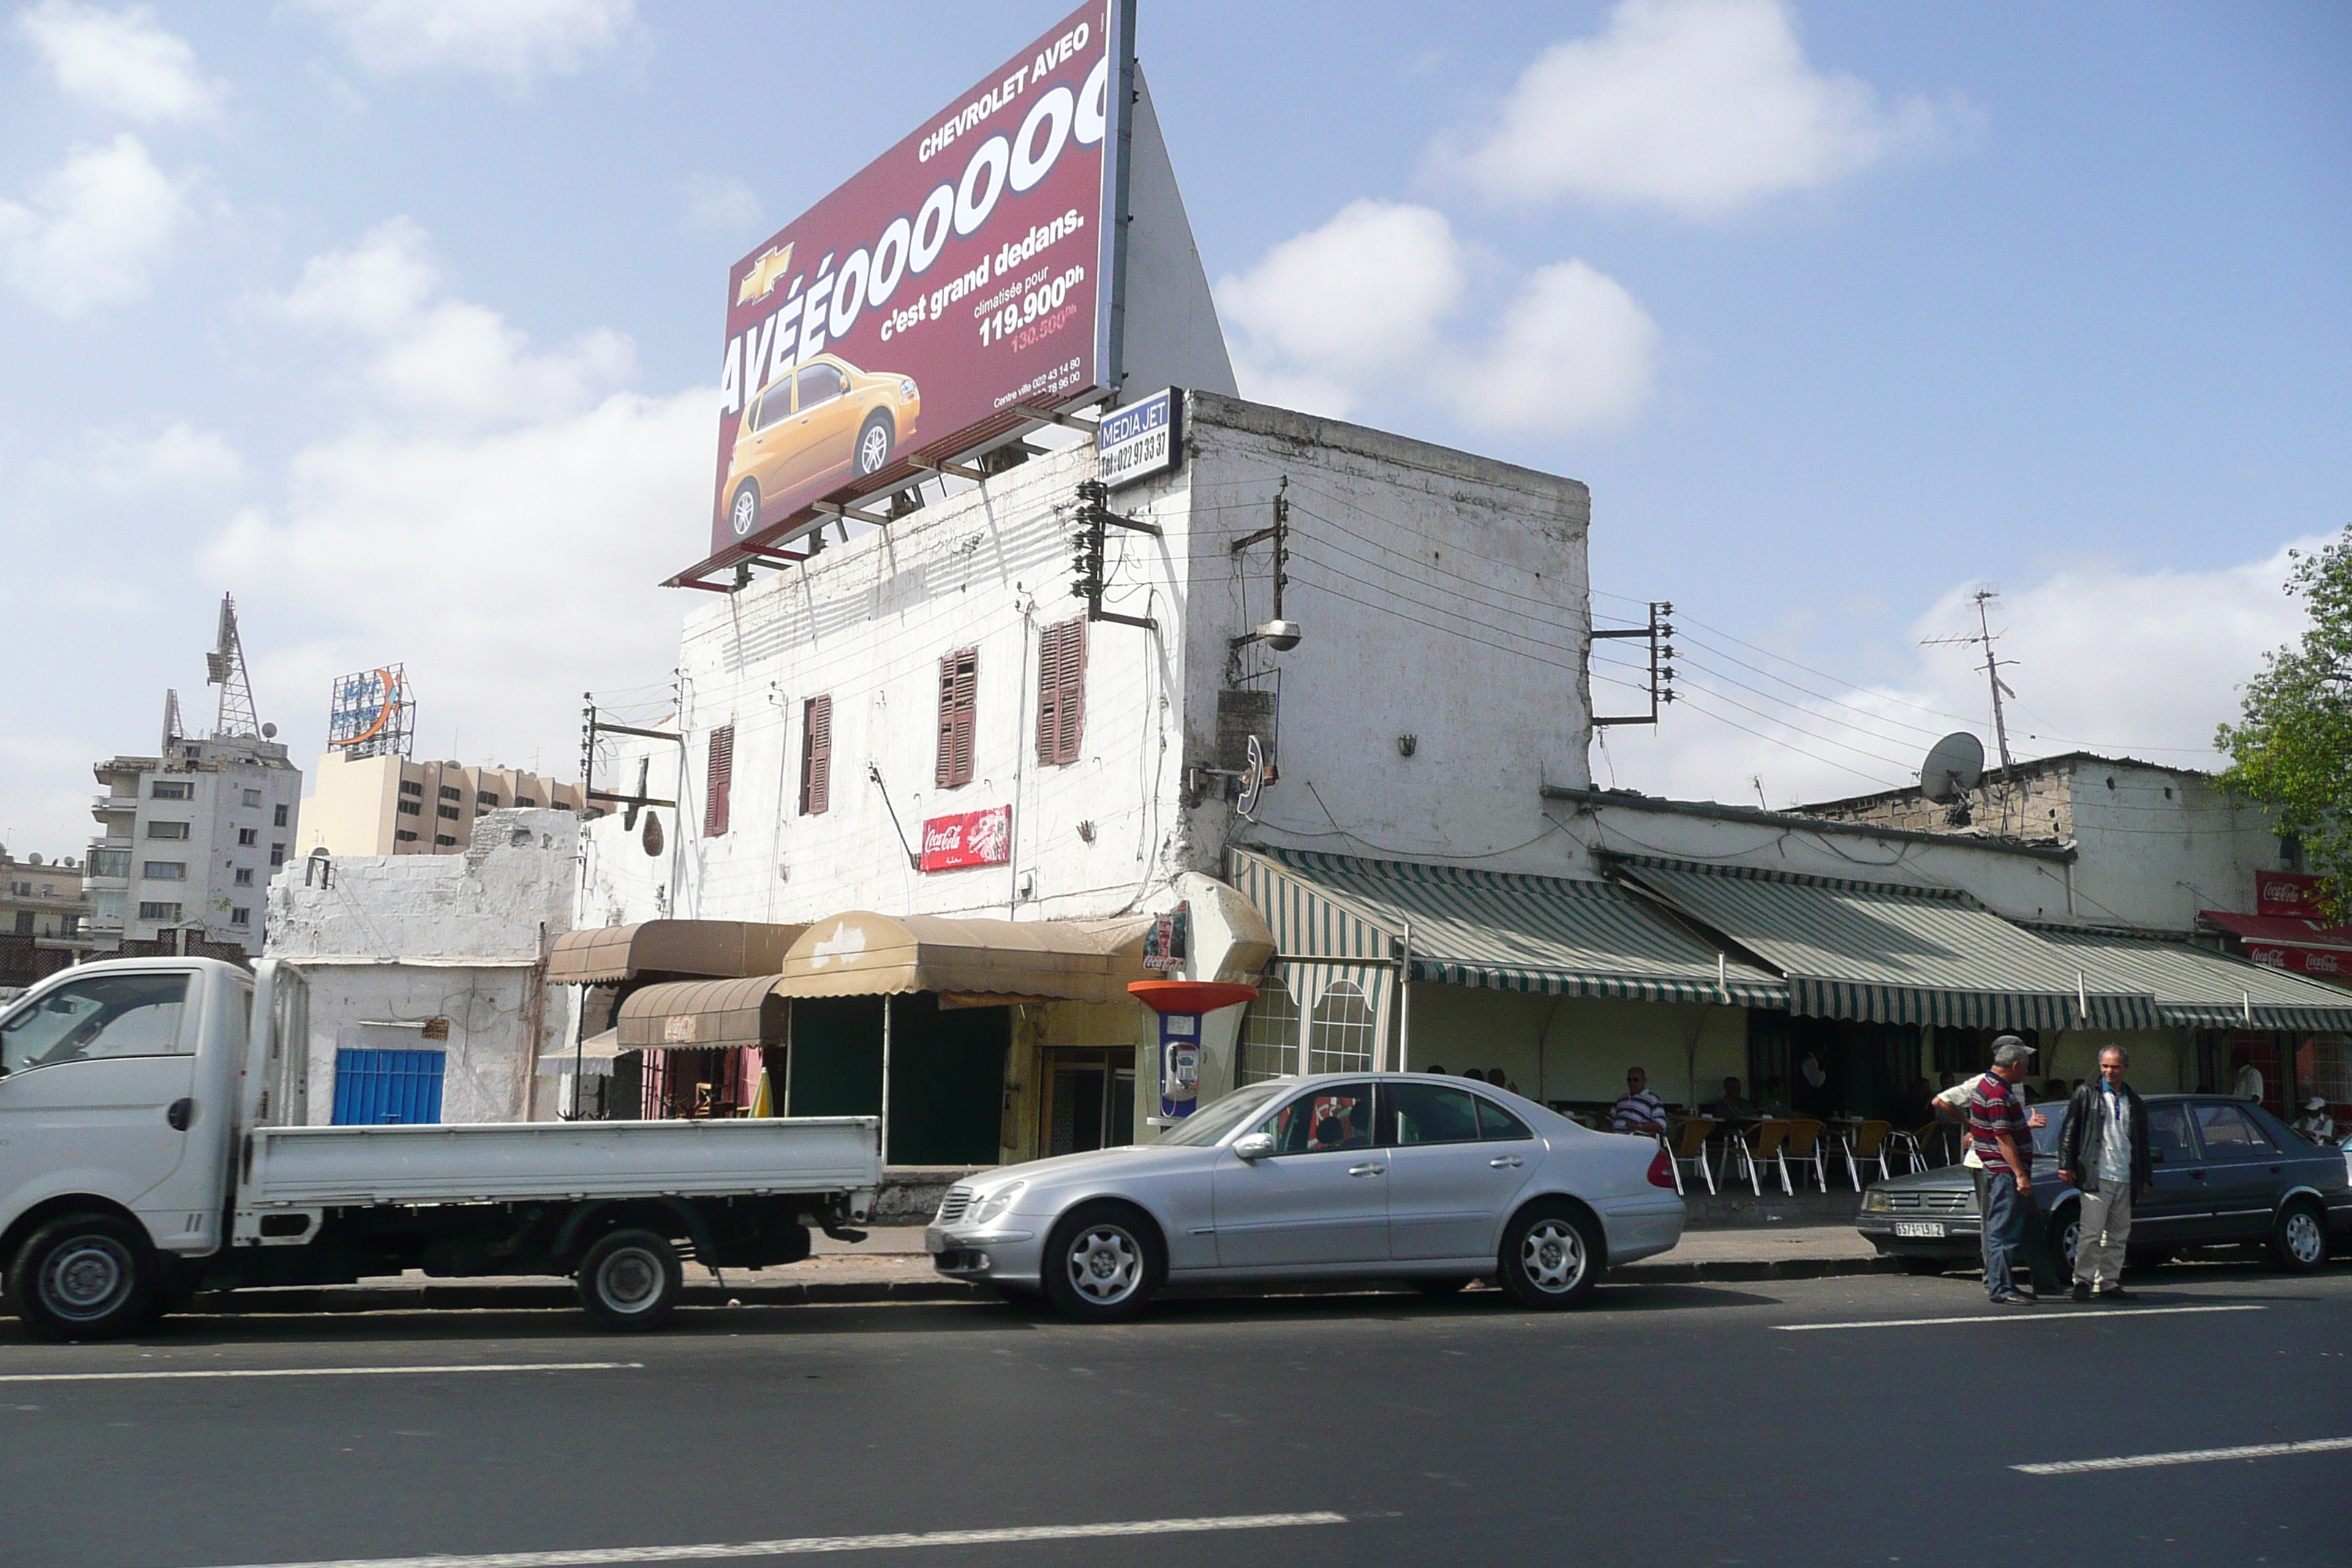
(396, 941)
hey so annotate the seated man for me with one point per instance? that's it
(1734, 1106)
(1637, 1109)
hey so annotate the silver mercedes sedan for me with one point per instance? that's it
(1411, 1176)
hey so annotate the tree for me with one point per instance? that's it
(2292, 748)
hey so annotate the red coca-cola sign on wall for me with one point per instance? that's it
(2319, 962)
(968, 838)
(2289, 893)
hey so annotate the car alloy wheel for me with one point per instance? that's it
(743, 511)
(2302, 1239)
(873, 445)
(1552, 1257)
(1105, 1264)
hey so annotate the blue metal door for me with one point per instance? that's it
(373, 1088)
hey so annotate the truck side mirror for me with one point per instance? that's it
(1254, 1146)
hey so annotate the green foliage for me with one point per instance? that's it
(2293, 748)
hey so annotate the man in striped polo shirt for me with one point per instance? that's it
(2002, 1137)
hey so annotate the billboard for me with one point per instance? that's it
(954, 288)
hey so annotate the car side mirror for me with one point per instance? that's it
(1254, 1146)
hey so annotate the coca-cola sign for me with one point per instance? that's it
(2289, 893)
(967, 838)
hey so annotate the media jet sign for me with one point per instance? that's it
(961, 276)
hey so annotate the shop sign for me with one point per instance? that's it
(1135, 443)
(2319, 962)
(968, 838)
(2289, 893)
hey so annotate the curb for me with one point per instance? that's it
(520, 1296)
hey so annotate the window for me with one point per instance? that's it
(2228, 1133)
(718, 781)
(443, 841)
(244, 878)
(1428, 1113)
(167, 830)
(524, 800)
(958, 682)
(1337, 1118)
(817, 755)
(1497, 1124)
(774, 405)
(411, 808)
(277, 855)
(169, 914)
(1269, 1045)
(410, 786)
(240, 916)
(25, 922)
(2167, 1134)
(485, 801)
(278, 818)
(105, 1015)
(1340, 1039)
(246, 837)
(253, 797)
(164, 870)
(447, 793)
(110, 862)
(1061, 690)
(171, 789)
(448, 813)
(402, 836)
(819, 384)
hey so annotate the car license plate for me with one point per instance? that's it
(1921, 1227)
(935, 1243)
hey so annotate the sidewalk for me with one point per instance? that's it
(890, 1266)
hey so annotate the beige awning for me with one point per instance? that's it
(750, 1011)
(865, 954)
(718, 948)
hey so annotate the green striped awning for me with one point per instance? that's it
(2198, 988)
(1887, 954)
(1494, 930)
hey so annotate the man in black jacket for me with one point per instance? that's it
(2103, 1150)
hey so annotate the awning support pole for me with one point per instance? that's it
(886, 1079)
(1404, 1004)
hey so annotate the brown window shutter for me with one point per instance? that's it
(718, 782)
(817, 755)
(1061, 690)
(959, 684)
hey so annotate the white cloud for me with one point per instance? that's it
(93, 230)
(178, 460)
(719, 204)
(518, 40)
(1702, 108)
(1370, 302)
(121, 61)
(2102, 665)
(446, 359)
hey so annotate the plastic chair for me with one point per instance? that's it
(1803, 1146)
(1686, 1145)
(1913, 1144)
(1866, 1140)
(1753, 1148)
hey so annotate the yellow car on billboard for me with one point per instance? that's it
(826, 420)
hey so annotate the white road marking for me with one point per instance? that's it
(2189, 1457)
(323, 1371)
(2083, 1315)
(587, 1557)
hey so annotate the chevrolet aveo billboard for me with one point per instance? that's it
(962, 278)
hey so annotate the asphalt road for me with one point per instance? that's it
(1665, 1425)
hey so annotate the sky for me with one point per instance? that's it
(401, 320)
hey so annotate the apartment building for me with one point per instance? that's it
(389, 805)
(187, 841)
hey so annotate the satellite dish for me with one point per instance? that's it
(1253, 779)
(1954, 766)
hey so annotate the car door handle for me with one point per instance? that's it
(1366, 1169)
(180, 1114)
(1511, 1160)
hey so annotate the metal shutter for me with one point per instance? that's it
(719, 779)
(959, 680)
(817, 755)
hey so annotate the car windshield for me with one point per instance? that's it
(1212, 1122)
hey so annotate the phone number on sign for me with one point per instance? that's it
(1038, 305)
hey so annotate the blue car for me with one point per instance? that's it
(2226, 1172)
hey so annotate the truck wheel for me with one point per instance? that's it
(1552, 1257)
(1103, 1264)
(2299, 1240)
(86, 1277)
(630, 1280)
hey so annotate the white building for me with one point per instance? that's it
(428, 999)
(188, 841)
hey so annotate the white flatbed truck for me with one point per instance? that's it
(152, 1145)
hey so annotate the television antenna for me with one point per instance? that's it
(225, 667)
(1986, 637)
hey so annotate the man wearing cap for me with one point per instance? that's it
(1951, 1104)
(2000, 1132)
(2316, 1123)
(2103, 1152)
